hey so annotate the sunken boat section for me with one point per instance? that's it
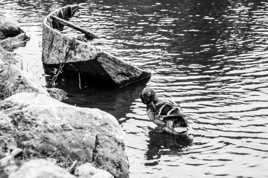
(76, 58)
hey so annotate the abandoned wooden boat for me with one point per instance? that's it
(75, 55)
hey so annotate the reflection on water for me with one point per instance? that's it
(116, 101)
(209, 55)
(165, 144)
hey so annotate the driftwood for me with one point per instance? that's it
(86, 60)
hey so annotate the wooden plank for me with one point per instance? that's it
(88, 34)
(55, 47)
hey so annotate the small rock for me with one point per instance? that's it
(40, 169)
(57, 93)
(8, 164)
(12, 43)
(9, 28)
(87, 170)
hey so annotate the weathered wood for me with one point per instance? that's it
(120, 72)
(84, 57)
(88, 34)
(59, 48)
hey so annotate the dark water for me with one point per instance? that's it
(209, 55)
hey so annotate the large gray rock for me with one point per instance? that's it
(40, 169)
(45, 127)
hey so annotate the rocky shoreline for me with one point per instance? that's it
(55, 139)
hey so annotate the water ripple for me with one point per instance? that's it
(211, 57)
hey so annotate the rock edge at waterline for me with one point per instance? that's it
(46, 128)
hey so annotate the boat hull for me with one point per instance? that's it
(60, 49)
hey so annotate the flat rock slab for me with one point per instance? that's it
(44, 127)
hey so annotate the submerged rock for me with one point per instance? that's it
(45, 127)
(40, 169)
(87, 170)
(9, 28)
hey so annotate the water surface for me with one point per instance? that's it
(210, 56)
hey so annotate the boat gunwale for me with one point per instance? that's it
(47, 24)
